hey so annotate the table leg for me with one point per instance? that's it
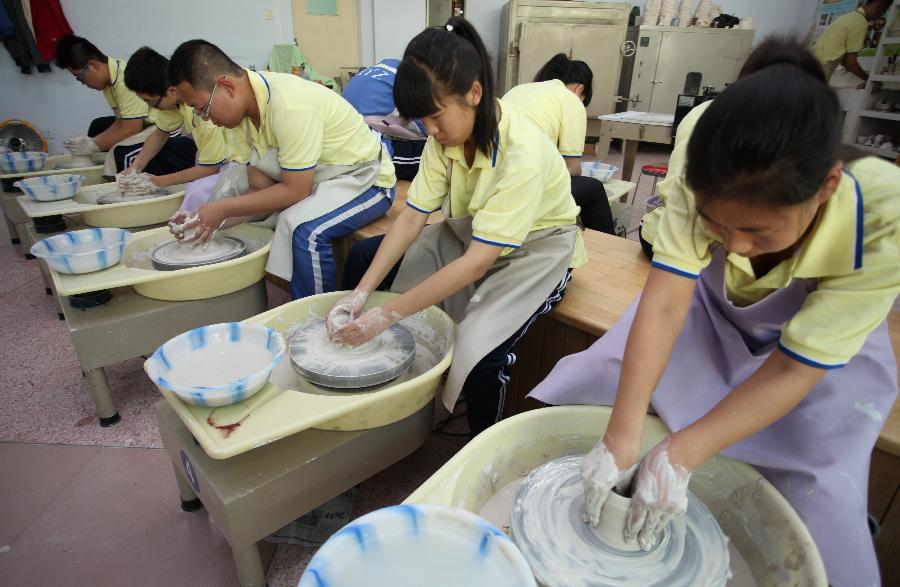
(189, 500)
(13, 233)
(630, 151)
(604, 142)
(106, 410)
(249, 566)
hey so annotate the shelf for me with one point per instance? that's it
(883, 115)
(877, 151)
(885, 78)
(890, 41)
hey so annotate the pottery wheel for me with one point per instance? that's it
(562, 549)
(322, 362)
(118, 197)
(76, 162)
(175, 255)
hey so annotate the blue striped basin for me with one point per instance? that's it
(83, 251)
(22, 162)
(217, 365)
(50, 188)
(418, 545)
(598, 170)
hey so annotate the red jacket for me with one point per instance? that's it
(49, 25)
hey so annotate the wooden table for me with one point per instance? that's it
(632, 127)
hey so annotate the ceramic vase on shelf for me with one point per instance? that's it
(667, 12)
(684, 14)
(703, 14)
(651, 12)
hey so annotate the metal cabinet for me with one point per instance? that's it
(533, 31)
(665, 57)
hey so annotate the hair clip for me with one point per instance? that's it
(449, 28)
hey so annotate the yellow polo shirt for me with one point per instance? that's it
(309, 124)
(212, 146)
(556, 110)
(673, 179)
(847, 34)
(521, 187)
(125, 102)
(853, 251)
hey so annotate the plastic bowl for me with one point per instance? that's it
(82, 251)
(217, 365)
(22, 162)
(598, 170)
(412, 545)
(50, 188)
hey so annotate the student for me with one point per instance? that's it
(147, 76)
(502, 256)
(556, 102)
(846, 37)
(313, 159)
(760, 333)
(121, 134)
(371, 92)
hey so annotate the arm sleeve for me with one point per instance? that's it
(573, 127)
(431, 185)
(298, 134)
(510, 212)
(836, 319)
(856, 36)
(681, 245)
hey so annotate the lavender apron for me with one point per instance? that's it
(817, 455)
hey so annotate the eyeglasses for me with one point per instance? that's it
(205, 114)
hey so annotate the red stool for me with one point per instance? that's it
(656, 171)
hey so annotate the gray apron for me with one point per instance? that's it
(817, 456)
(333, 187)
(492, 309)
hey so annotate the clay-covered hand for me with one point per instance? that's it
(210, 218)
(182, 223)
(81, 145)
(600, 475)
(660, 494)
(345, 310)
(135, 184)
(366, 327)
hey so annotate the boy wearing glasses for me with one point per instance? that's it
(147, 76)
(313, 159)
(121, 134)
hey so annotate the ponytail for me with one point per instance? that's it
(568, 71)
(444, 62)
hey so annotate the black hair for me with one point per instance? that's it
(568, 71)
(771, 137)
(446, 61)
(147, 72)
(74, 52)
(887, 3)
(199, 63)
(779, 49)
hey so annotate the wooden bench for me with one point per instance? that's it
(597, 296)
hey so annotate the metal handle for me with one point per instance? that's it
(628, 48)
(655, 81)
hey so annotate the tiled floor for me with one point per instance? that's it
(84, 505)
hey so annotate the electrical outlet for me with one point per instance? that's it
(48, 133)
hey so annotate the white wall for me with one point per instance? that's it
(395, 23)
(55, 101)
(769, 16)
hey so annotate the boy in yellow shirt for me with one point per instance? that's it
(176, 125)
(313, 160)
(122, 133)
(846, 37)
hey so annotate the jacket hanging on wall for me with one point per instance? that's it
(21, 44)
(50, 24)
